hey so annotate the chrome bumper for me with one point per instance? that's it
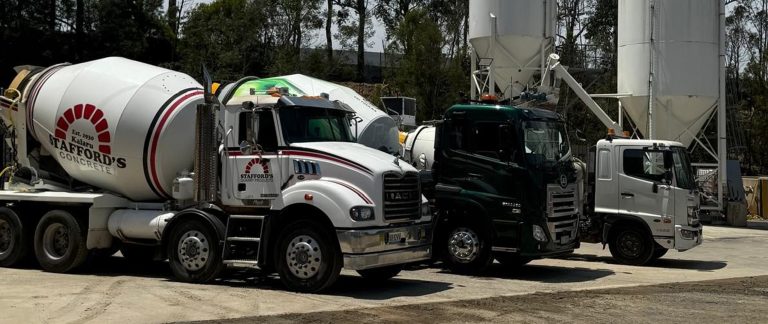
(378, 247)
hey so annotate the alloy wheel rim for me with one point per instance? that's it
(56, 241)
(194, 250)
(304, 256)
(464, 244)
(6, 237)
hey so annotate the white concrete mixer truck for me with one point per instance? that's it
(116, 153)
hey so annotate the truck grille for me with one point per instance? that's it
(562, 213)
(402, 197)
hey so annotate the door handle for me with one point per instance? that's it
(627, 195)
(474, 176)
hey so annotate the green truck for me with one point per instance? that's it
(502, 183)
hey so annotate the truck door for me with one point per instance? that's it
(645, 189)
(254, 167)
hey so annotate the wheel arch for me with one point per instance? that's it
(613, 222)
(209, 217)
(278, 220)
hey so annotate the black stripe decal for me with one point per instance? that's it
(148, 139)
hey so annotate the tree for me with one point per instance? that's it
(424, 72)
(358, 28)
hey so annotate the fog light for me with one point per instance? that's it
(361, 213)
(538, 234)
(686, 234)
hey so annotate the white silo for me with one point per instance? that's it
(668, 61)
(524, 35)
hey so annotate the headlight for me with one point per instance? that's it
(538, 234)
(693, 216)
(361, 213)
(425, 211)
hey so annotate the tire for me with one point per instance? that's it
(60, 242)
(467, 248)
(658, 253)
(193, 251)
(631, 246)
(511, 260)
(138, 253)
(14, 242)
(308, 258)
(381, 274)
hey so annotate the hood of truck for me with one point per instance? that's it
(357, 156)
(363, 170)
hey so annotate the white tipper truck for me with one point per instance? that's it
(115, 153)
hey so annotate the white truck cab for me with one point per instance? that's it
(641, 199)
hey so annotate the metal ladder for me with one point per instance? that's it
(241, 247)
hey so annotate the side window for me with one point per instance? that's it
(244, 131)
(485, 139)
(267, 136)
(647, 165)
(605, 170)
(457, 135)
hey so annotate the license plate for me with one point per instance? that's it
(395, 237)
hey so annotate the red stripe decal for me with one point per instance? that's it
(328, 157)
(156, 136)
(33, 97)
(358, 192)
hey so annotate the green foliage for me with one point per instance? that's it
(423, 71)
(227, 36)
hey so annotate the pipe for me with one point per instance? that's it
(473, 74)
(491, 81)
(562, 73)
(651, 131)
(722, 177)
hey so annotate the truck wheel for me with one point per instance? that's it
(467, 249)
(381, 274)
(14, 246)
(308, 259)
(511, 260)
(631, 246)
(60, 242)
(193, 252)
(659, 252)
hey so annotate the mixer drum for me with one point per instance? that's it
(121, 125)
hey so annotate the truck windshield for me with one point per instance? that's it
(683, 169)
(311, 124)
(545, 141)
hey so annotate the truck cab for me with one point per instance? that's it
(504, 186)
(293, 159)
(641, 199)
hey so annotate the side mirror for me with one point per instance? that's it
(505, 142)
(246, 147)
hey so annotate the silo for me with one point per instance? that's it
(668, 61)
(524, 31)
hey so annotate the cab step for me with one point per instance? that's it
(242, 243)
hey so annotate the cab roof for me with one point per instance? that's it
(510, 111)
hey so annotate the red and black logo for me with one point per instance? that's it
(89, 146)
(257, 170)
